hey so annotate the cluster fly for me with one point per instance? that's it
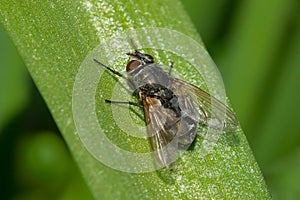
(173, 108)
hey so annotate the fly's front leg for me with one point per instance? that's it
(110, 69)
(129, 81)
(124, 102)
(120, 75)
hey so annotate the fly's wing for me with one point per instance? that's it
(162, 126)
(203, 107)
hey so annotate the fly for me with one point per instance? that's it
(173, 108)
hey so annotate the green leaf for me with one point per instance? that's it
(54, 38)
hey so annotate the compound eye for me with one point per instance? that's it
(132, 65)
(149, 58)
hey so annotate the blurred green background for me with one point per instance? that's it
(255, 44)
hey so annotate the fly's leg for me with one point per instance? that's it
(110, 69)
(171, 67)
(114, 72)
(120, 75)
(124, 102)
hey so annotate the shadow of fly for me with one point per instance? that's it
(173, 108)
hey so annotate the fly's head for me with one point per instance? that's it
(138, 59)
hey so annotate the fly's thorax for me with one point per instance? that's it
(149, 74)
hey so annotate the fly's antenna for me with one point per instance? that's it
(133, 45)
(136, 52)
